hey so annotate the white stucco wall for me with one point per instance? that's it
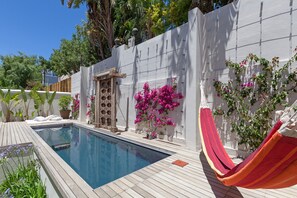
(266, 28)
(197, 51)
(155, 61)
(75, 83)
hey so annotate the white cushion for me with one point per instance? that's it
(50, 117)
(40, 119)
(58, 118)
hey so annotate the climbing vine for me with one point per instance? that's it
(249, 102)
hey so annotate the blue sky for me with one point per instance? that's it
(36, 27)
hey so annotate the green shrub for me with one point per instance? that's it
(64, 102)
(23, 181)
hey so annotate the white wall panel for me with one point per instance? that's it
(198, 50)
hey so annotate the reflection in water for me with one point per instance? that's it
(97, 158)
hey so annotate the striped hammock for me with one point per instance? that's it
(273, 165)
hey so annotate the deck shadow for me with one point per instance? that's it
(219, 189)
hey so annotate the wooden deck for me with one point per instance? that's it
(161, 179)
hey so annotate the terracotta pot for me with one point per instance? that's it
(65, 114)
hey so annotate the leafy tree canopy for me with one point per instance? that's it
(109, 19)
(73, 53)
(19, 70)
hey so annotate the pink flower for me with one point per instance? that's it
(248, 84)
(92, 98)
(146, 86)
(153, 105)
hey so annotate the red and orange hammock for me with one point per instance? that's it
(272, 165)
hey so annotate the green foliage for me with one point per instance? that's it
(49, 99)
(39, 100)
(206, 6)
(18, 70)
(178, 12)
(64, 102)
(150, 17)
(72, 54)
(156, 18)
(100, 24)
(19, 114)
(250, 103)
(111, 19)
(26, 100)
(10, 101)
(23, 181)
(129, 14)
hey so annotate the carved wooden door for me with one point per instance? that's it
(105, 103)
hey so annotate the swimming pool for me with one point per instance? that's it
(98, 158)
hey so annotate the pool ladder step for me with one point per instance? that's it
(59, 147)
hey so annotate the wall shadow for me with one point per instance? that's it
(218, 189)
(217, 29)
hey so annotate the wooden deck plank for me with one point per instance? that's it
(136, 177)
(76, 189)
(69, 176)
(195, 179)
(168, 187)
(115, 188)
(187, 186)
(131, 179)
(1, 133)
(63, 188)
(21, 134)
(14, 139)
(121, 185)
(11, 132)
(101, 193)
(133, 194)
(142, 192)
(4, 143)
(169, 183)
(17, 134)
(127, 182)
(161, 179)
(150, 183)
(109, 191)
(124, 194)
(141, 175)
(149, 190)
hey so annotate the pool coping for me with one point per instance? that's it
(160, 179)
(95, 130)
(113, 135)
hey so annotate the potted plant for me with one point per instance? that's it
(64, 103)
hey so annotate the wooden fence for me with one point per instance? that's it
(62, 86)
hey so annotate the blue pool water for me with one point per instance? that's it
(97, 158)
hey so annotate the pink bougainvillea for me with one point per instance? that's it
(153, 106)
(91, 109)
(75, 106)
